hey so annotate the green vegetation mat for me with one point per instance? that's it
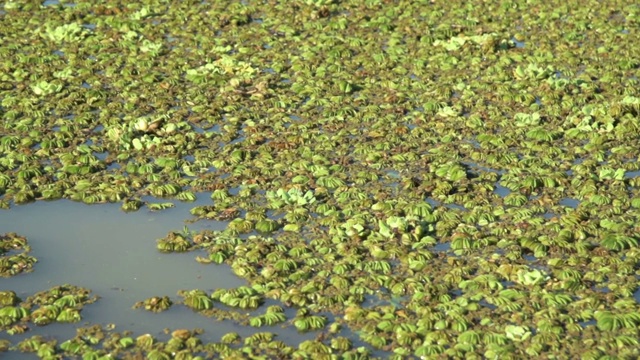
(427, 179)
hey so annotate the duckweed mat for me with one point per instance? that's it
(426, 179)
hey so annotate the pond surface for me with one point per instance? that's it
(114, 254)
(518, 126)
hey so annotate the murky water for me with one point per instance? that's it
(114, 254)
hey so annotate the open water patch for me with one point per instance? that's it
(501, 190)
(114, 254)
(572, 203)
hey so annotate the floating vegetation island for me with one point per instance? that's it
(426, 179)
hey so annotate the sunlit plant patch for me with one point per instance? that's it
(443, 180)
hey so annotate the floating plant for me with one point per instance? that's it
(418, 160)
(196, 299)
(175, 242)
(61, 304)
(154, 304)
(14, 258)
(242, 297)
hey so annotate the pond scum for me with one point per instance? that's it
(471, 165)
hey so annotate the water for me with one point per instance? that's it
(573, 203)
(113, 254)
(57, 2)
(442, 247)
(519, 44)
(501, 190)
(631, 174)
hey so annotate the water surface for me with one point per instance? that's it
(114, 254)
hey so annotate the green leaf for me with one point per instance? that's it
(517, 333)
(385, 230)
(137, 144)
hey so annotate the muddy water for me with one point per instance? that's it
(114, 254)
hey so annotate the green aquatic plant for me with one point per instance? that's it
(46, 350)
(618, 242)
(164, 190)
(11, 262)
(310, 322)
(293, 196)
(218, 257)
(230, 338)
(529, 278)
(154, 304)
(14, 313)
(517, 333)
(157, 354)
(68, 300)
(444, 182)
(174, 242)
(68, 315)
(132, 205)
(74, 347)
(159, 206)
(45, 314)
(197, 300)
(145, 341)
(266, 226)
(258, 337)
(46, 88)
(4, 345)
(186, 196)
(64, 33)
(8, 298)
(268, 319)
(59, 304)
(610, 321)
(242, 297)
(241, 225)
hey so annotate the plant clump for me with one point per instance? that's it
(14, 255)
(62, 304)
(154, 304)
